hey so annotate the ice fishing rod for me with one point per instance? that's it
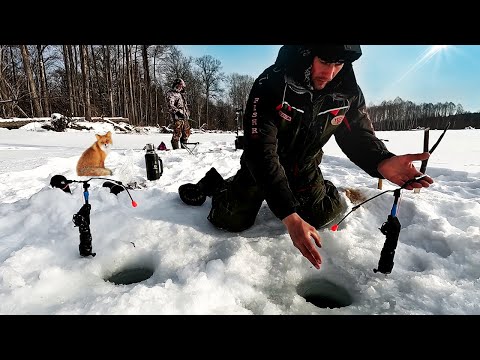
(61, 182)
(82, 218)
(415, 179)
(391, 228)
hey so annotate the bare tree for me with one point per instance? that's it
(108, 76)
(176, 65)
(137, 85)
(131, 104)
(86, 85)
(158, 53)
(74, 78)
(195, 98)
(147, 82)
(99, 85)
(211, 78)
(4, 96)
(239, 89)
(11, 83)
(14, 68)
(43, 82)
(122, 78)
(68, 76)
(78, 80)
(31, 83)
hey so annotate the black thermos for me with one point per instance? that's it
(153, 163)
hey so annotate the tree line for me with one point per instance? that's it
(127, 81)
(130, 81)
(400, 115)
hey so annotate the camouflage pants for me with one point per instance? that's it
(235, 206)
(181, 131)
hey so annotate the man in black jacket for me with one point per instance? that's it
(294, 107)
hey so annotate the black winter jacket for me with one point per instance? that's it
(287, 122)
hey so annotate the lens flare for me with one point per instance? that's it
(423, 59)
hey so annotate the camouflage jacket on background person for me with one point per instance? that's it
(177, 105)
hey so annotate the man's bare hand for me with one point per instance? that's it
(301, 233)
(399, 169)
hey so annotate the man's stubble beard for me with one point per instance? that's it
(319, 84)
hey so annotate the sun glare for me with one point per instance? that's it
(436, 48)
(423, 59)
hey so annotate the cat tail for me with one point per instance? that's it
(94, 171)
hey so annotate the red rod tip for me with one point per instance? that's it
(334, 227)
(134, 204)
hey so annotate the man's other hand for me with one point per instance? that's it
(301, 233)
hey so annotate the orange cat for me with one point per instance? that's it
(92, 161)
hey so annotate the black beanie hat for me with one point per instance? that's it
(337, 53)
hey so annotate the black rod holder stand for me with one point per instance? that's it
(82, 220)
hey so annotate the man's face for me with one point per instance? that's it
(323, 72)
(181, 85)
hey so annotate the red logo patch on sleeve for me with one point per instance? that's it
(337, 120)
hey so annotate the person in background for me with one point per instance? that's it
(295, 106)
(179, 113)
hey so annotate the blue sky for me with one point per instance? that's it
(419, 73)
